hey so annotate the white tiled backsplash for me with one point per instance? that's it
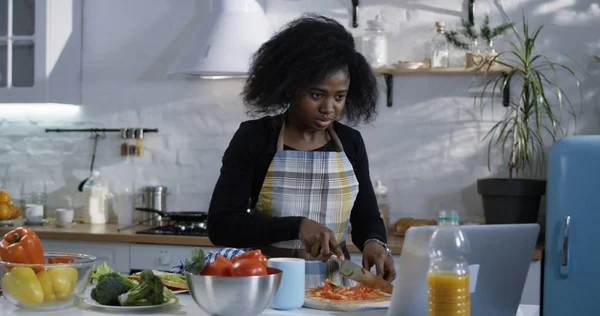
(427, 148)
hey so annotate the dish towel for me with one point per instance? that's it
(209, 257)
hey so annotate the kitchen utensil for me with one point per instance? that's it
(291, 290)
(154, 198)
(136, 224)
(178, 229)
(355, 13)
(359, 274)
(248, 296)
(177, 216)
(66, 296)
(80, 187)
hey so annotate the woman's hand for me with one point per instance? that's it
(375, 254)
(318, 240)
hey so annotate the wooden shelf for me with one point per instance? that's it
(390, 72)
(441, 71)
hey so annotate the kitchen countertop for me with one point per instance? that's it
(109, 233)
(187, 306)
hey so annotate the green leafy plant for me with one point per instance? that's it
(536, 112)
(468, 32)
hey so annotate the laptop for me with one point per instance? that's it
(499, 260)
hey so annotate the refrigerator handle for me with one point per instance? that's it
(564, 256)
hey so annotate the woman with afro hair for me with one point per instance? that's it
(295, 179)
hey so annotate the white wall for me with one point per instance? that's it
(427, 148)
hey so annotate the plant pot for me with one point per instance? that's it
(481, 60)
(511, 201)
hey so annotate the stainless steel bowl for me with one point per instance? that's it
(234, 296)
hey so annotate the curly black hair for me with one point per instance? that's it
(305, 51)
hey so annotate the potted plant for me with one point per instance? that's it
(468, 37)
(533, 116)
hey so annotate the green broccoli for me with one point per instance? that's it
(150, 291)
(108, 289)
(104, 269)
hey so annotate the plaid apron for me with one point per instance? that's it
(318, 185)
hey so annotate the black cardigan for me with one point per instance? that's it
(245, 164)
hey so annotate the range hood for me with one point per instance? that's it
(223, 44)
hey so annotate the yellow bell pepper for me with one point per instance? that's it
(57, 283)
(22, 285)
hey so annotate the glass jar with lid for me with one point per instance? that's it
(375, 46)
(440, 47)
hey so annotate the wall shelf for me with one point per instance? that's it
(390, 72)
(441, 71)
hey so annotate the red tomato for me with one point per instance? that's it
(254, 254)
(248, 267)
(222, 259)
(220, 267)
(61, 259)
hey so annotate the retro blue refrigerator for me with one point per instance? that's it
(571, 266)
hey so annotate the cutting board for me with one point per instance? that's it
(342, 306)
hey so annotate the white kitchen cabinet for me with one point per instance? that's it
(116, 255)
(160, 257)
(40, 51)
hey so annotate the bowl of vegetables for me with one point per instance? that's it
(33, 279)
(243, 285)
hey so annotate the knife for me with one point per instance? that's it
(359, 274)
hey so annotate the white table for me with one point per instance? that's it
(187, 306)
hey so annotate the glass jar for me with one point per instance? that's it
(440, 49)
(375, 46)
(474, 47)
(489, 48)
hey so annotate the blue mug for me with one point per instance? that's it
(290, 294)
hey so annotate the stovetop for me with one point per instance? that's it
(180, 228)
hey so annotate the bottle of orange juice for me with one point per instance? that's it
(448, 275)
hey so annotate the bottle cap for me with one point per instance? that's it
(139, 133)
(448, 216)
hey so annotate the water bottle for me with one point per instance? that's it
(448, 275)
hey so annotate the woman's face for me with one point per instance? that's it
(317, 106)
